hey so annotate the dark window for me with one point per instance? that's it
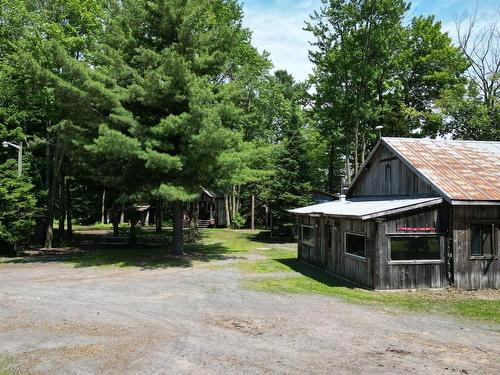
(415, 248)
(308, 234)
(482, 239)
(355, 244)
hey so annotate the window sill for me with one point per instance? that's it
(483, 257)
(400, 262)
(357, 257)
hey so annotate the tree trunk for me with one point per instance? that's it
(266, 218)
(193, 224)
(69, 213)
(348, 168)
(238, 199)
(103, 207)
(331, 169)
(233, 202)
(271, 221)
(177, 236)
(62, 208)
(159, 214)
(252, 212)
(122, 215)
(356, 146)
(115, 218)
(226, 208)
(56, 171)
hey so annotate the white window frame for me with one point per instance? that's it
(359, 234)
(439, 236)
(307, 243)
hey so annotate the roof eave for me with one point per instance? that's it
(458, 202)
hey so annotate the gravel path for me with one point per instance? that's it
(62, 320)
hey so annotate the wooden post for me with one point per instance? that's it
(252, 212)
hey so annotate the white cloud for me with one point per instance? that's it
(277, 27)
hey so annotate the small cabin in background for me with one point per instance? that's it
(211, 210)
(419, 213)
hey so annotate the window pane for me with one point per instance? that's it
(415, 248)
(355, 244)
(482, 239)
(307, 234)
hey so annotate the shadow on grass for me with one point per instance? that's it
(265, 237)
(87, 251)
(316, 274)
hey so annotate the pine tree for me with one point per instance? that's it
(171, 59)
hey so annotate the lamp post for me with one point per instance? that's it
(19, 149)
(379, 128)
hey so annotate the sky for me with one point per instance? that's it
(277, 25)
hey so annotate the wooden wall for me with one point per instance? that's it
(411, 275)
(331, 256)
(472, 273)
(347, 266)
(401, 182)
(310, 254)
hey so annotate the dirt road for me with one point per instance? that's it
(62, 320)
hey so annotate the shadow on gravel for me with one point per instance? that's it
(315, 273)
(85, 251)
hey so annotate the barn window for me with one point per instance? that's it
(482, 239)
(415, 248)
(308, 235)
(387, 175)
(355, 244)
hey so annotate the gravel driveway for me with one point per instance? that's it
(62, 320)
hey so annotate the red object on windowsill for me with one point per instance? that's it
(416, 229)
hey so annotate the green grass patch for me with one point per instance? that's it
(442, 301)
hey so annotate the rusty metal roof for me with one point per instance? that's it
(459, 170)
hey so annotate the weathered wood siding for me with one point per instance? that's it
(386, 175)
(328, 251)
(345, 265)
(472, 273)
(307, 253)
(411, 275)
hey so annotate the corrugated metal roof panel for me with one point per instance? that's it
(364, 208)
(461, 170)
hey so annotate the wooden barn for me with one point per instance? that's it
(419, 213)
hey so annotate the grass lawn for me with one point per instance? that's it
(271, 265)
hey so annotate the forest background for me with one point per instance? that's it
(122, 103)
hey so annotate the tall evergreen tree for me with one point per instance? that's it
(171, 58)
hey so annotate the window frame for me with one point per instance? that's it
(439, 236)
(495, 229)
(359, 234)
(307, 243)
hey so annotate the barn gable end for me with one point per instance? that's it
(385, 174)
